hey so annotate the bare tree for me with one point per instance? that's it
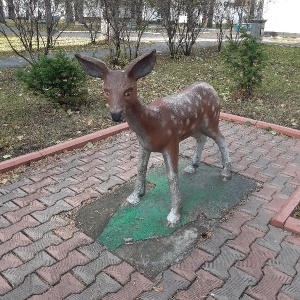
(221, 11)
(182, 21)
(111, 13)
(126, 25)
(92, 19)
(141, 14)
(36, 34)
(191, 29)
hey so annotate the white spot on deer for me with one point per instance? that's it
(155, 108)
(169, 132)
(187, 122)
(213, 108)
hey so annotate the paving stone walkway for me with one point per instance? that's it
(44, 256)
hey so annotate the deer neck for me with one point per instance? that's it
(139, 118)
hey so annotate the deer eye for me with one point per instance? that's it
(128, 92)
(106, 92)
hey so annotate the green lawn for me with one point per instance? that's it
(62, 43)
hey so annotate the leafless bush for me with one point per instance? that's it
(34, 24)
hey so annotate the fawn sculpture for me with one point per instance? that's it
(161, 125)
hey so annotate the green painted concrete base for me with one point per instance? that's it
(203, 193)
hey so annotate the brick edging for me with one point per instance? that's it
(13, 163)
(76, 143)
(283, 218)
(260, 124)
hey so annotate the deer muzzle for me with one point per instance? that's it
(117, 116)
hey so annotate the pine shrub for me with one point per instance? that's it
(59, 79)
(246, 60)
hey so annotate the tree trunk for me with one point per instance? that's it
(211, 13)
(2, 16)
(78, 6)
(252, 10)
(11, 9)
(69, 11)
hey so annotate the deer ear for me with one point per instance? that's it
(92, 66)
(142, 65)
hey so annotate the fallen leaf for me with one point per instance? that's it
(4, 181)
(16, 176)
(126, 240)
(89, 145)
(158, 289)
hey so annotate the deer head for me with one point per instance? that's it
(120, 86)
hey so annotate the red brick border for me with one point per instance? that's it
(13, 163)
(260, 124)
(283, 218)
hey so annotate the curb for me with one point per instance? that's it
(13, 163)
(260, 124)
(283, 218)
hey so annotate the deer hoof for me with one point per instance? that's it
(173, 219)
(126, 203)
(189, 170)
(133, 199)
(225, 175)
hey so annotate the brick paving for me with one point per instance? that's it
(44, 256)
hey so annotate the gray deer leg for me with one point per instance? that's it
(171, 161)
(226, 161)
(201, 139)
(139, 189)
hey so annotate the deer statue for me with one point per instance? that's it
(161, 125)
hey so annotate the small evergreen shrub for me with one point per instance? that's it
(60, 79)
(246, 60)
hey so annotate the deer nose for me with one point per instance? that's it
(117, 116)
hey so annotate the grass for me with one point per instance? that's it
(28, 122)
(63, 43)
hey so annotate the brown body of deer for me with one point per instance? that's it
(161, 125)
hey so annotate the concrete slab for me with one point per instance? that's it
(138, 234)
